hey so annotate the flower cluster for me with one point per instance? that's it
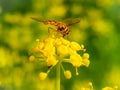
(89, 86)
(57, 49)
(110, 88)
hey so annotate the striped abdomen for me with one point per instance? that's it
(61, 27)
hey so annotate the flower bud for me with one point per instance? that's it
(51, 61)
(62, 50)
(67, 74)
(75, 46)
(31, 58)
(86, 62)
(86, 56)
(76, 60)
(42, 75)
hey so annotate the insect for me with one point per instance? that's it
(62, 27)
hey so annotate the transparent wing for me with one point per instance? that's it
(71, 21)
(37, 19)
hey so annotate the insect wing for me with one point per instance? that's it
(37, 19)
(71, 21)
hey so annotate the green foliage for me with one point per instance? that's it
(98, 30)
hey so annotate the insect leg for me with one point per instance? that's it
(49, 30)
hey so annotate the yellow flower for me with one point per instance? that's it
(51, 61)
(49, 40)
(41, 45)
(64, 42)
(55, 50)
(76, 60)
(71, 51)
(57, 42)
(62, 50)
(67, 74)
(42, 75)
(82, 48)
(108, 88)
(38, 47)
(75, 46)
(86, 56)
(86, 62)
(49, 49)
(31, 58)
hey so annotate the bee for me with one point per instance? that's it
(62, 27)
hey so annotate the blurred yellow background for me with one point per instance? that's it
(98, 30)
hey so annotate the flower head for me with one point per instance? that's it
(57, 49)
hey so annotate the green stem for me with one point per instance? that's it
(58, 76)
(66, 60)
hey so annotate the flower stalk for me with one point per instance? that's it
(58, 76)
